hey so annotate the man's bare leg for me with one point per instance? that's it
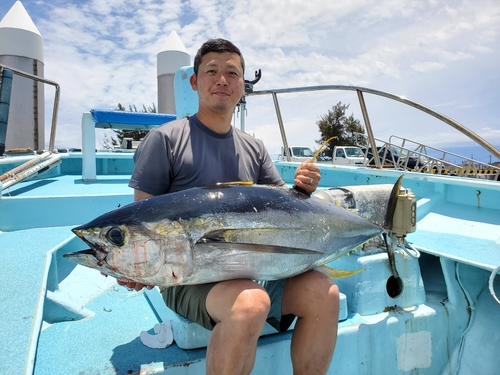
(314, 298)
(240, 308)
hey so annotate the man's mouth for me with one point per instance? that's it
(221, 93)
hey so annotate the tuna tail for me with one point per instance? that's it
(388, 225)
(395, 282)
(391, 205)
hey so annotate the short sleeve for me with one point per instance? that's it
(268, 172)
(152, 172)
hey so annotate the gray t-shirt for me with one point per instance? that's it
(185, 153)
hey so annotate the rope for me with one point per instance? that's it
(492, 277)
(415, 254)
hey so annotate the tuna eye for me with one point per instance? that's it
(116, 236)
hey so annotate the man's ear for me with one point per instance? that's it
(192, 81)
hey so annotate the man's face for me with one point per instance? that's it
(220, 82)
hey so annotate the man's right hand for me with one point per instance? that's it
(133, 285)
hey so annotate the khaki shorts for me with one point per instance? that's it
(189, 301)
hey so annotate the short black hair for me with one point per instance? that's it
(216, 45)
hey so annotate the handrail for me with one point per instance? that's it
(44, 161)
(428, 163)
(371, 138)
(56, 100)
(456, 125)
(443, 152)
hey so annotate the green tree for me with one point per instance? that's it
(109, 142)
(336, 123)
(136, 135)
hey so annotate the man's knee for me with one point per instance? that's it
(326, 291)
(252, 304)
(311, 291)
(238, 300)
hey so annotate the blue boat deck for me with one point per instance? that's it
(62, 200)
(23, 260)
(36, 220)
(119, 318)
(468, 236)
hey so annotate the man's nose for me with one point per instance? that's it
(221, 80)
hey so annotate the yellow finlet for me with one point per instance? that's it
(335, 273)
(235, 183)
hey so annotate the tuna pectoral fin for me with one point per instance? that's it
(333, 273)
(257, 248)
(221, 239)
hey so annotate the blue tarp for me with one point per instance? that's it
(111, 119)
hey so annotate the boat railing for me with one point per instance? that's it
(55, 109)
(398, 156)
(440, 162)
(360, 90)
(47, 159)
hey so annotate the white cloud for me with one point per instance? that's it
(427, 66)
(104, 51)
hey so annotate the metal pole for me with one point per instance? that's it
(52, 139)
(282, 128)
(5, 91)
(56, 100)
(243, 107)
(371, 138)
(469, 133)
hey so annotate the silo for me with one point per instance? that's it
(172, 56)
(21, 48)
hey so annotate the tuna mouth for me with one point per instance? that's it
(98, 252)
(85, 257)
(88, 258)
(85, 253)
(97, 248)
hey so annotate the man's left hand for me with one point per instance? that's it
(307, 176)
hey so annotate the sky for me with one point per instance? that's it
(443, 54)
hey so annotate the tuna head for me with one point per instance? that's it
(149, 253)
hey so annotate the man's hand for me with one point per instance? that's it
(133, 285)
(307, 176)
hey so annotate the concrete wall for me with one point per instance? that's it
(166, 99)
(26, 126)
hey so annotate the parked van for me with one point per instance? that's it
(343, 155)
(297, 153)
(348, 155)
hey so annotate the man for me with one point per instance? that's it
(205, 149)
